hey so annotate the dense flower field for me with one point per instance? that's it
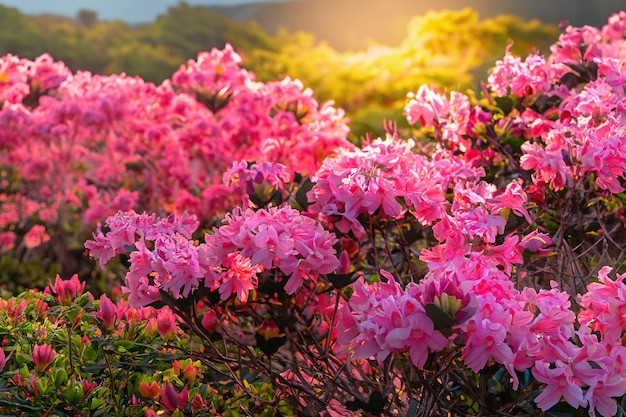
(471, 266)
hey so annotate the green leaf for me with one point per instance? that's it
(59, 376)
(506, 104)
(96, 403)
(441, 320)
(301, 198)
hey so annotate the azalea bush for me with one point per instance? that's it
(65, 353)
(76, 148)
(472, 265)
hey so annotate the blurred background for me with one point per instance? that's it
(363, 54)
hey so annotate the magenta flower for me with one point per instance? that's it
(107, 312)
(376, 180)
(433, 109)
(560, 382)
(166, 322)
(43, 355)
(36, 236)
(259, 179)
(277, 237)
(67, 290)
(382, 318)
(171, 400)
(239, 276)
(604, 306)
(528, 78)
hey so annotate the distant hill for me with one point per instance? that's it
(385, 21)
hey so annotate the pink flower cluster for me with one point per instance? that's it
(528, 78)
(449, 117)
(159, 248)
(279, 238)
(276, 122)
(384, 318)
(163, 256)
(76, 148)
(588, 138)
(387, 178)
(585, 136)
(260, 179)
(21, 78)
(496, 323)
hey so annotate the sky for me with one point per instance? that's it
(131, 11)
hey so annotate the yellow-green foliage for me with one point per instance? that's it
(449, 48)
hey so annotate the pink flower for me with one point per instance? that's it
(536, 242)
(2, 359)
(258, 179)
(166, 322)
(375, 181)
(548, 167)
(172, 400)
(528, 78)
(601, 367)
(450, 116)
(67, 290)
(209, 320)
(560, 382)
(43, 355)
(485, 339)
(36, 236)
(107, 312)
(141, 292)
(427, 107)
(176, 264)
(239, 276)
(7, 241)
(383, 318)
(100, 248)
(604, 306)
(274, 238)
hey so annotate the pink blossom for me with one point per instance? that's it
(548, 167)
(43, 355)
(171, 400)
(67, 290)
(432, 109)
(277, 237)
(166, 322)
(261, 179)
(209, 320)
(141, 292)
(427, 107)
(176, 264)
(14, 79)
(377, 180)
(555, 318)
(239, 276)
(382, 318)
(560, 382)
(604, 306)
(7, 241)
(600, 366)
(486, 336)
(36, 236)
(536, 242)
(107, 312)
(511, 75)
